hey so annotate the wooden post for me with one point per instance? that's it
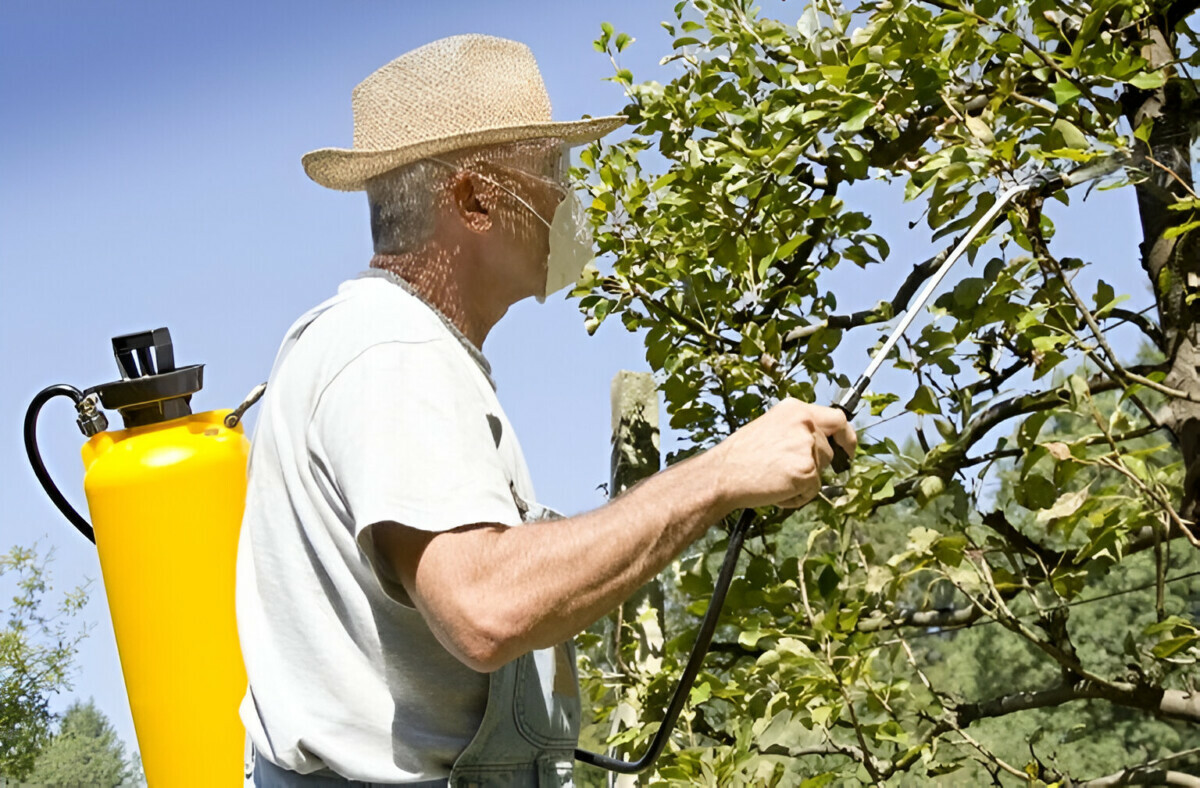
(637, 645)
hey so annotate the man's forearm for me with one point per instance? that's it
(492, 593)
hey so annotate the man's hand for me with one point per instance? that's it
(778, 457)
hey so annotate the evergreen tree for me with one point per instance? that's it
(86, 751)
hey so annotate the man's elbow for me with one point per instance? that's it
(487, 643)
(479, 619)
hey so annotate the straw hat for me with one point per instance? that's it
(457, 92)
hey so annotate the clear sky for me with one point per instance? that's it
(150, 175)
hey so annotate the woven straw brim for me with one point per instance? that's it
(348, 169)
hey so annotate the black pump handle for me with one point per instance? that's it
(35, 457)
(141, 342)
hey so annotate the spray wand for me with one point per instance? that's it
(1040, 184)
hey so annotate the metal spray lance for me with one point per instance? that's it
(1040, 184)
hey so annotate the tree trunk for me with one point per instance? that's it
(1172, 264)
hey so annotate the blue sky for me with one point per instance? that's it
(150, 176)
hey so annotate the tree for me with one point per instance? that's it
(724, 216)
(136, 777)
(85, 751)
(36, 654)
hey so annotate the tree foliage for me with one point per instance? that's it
(1047, 468)
(37, 649)
(86, 751)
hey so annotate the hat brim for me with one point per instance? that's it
(348, 169)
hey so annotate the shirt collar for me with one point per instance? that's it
(474, 352)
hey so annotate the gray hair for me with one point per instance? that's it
(402, 206)
(403, 201)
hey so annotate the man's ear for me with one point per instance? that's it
(464, 195)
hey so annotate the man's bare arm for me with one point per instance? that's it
(491, 593)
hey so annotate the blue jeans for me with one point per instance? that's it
(268, 775)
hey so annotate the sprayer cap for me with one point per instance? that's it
(151, 389)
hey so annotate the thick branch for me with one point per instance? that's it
(1144, 324)
(1140, 775)
(1171, 704)
(1148, 773)
(942, 617)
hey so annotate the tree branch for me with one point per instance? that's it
(1171, 704)
(1141, 432)
(1145, 324)
(899, 302)
(1143, 539)
(1180, 11)
(941, 617)
(1139, 775)
(1147, 774)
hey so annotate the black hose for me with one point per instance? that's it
(35, 457)
(699, 649)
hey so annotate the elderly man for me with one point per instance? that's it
(397, 626)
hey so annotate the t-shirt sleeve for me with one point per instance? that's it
(404, 433)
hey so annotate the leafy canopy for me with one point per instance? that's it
(722, 221)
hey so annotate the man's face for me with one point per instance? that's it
(521, 186)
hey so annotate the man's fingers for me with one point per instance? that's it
(847, 438)
(822, 451)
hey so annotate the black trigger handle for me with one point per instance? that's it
(847, 402)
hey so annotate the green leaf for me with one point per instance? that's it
(1149, 80)
(1071, 135)
(785, 250)
(924, 401)
(949, 549)
(750, 637)
(879, 402)
(1066, 505)
(929, 488)
(1180, 229)
(1064, 92)
(1172, 646)
(1035, 492)
(623, 40)
(921, 539)
(1142, 132)
(980, 130)
(827, 583)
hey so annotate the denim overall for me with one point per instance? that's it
(529, 730)
(531, 723)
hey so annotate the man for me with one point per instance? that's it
(397, 625)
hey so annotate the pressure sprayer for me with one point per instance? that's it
(1038, 185)
(166, 496)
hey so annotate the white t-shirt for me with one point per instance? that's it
(375, 411)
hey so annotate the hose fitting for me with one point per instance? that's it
(91, 419)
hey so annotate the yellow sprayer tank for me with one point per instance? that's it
(166, 496)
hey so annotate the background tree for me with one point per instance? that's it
(37, 648)
(85, 751)
(1047, 470)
